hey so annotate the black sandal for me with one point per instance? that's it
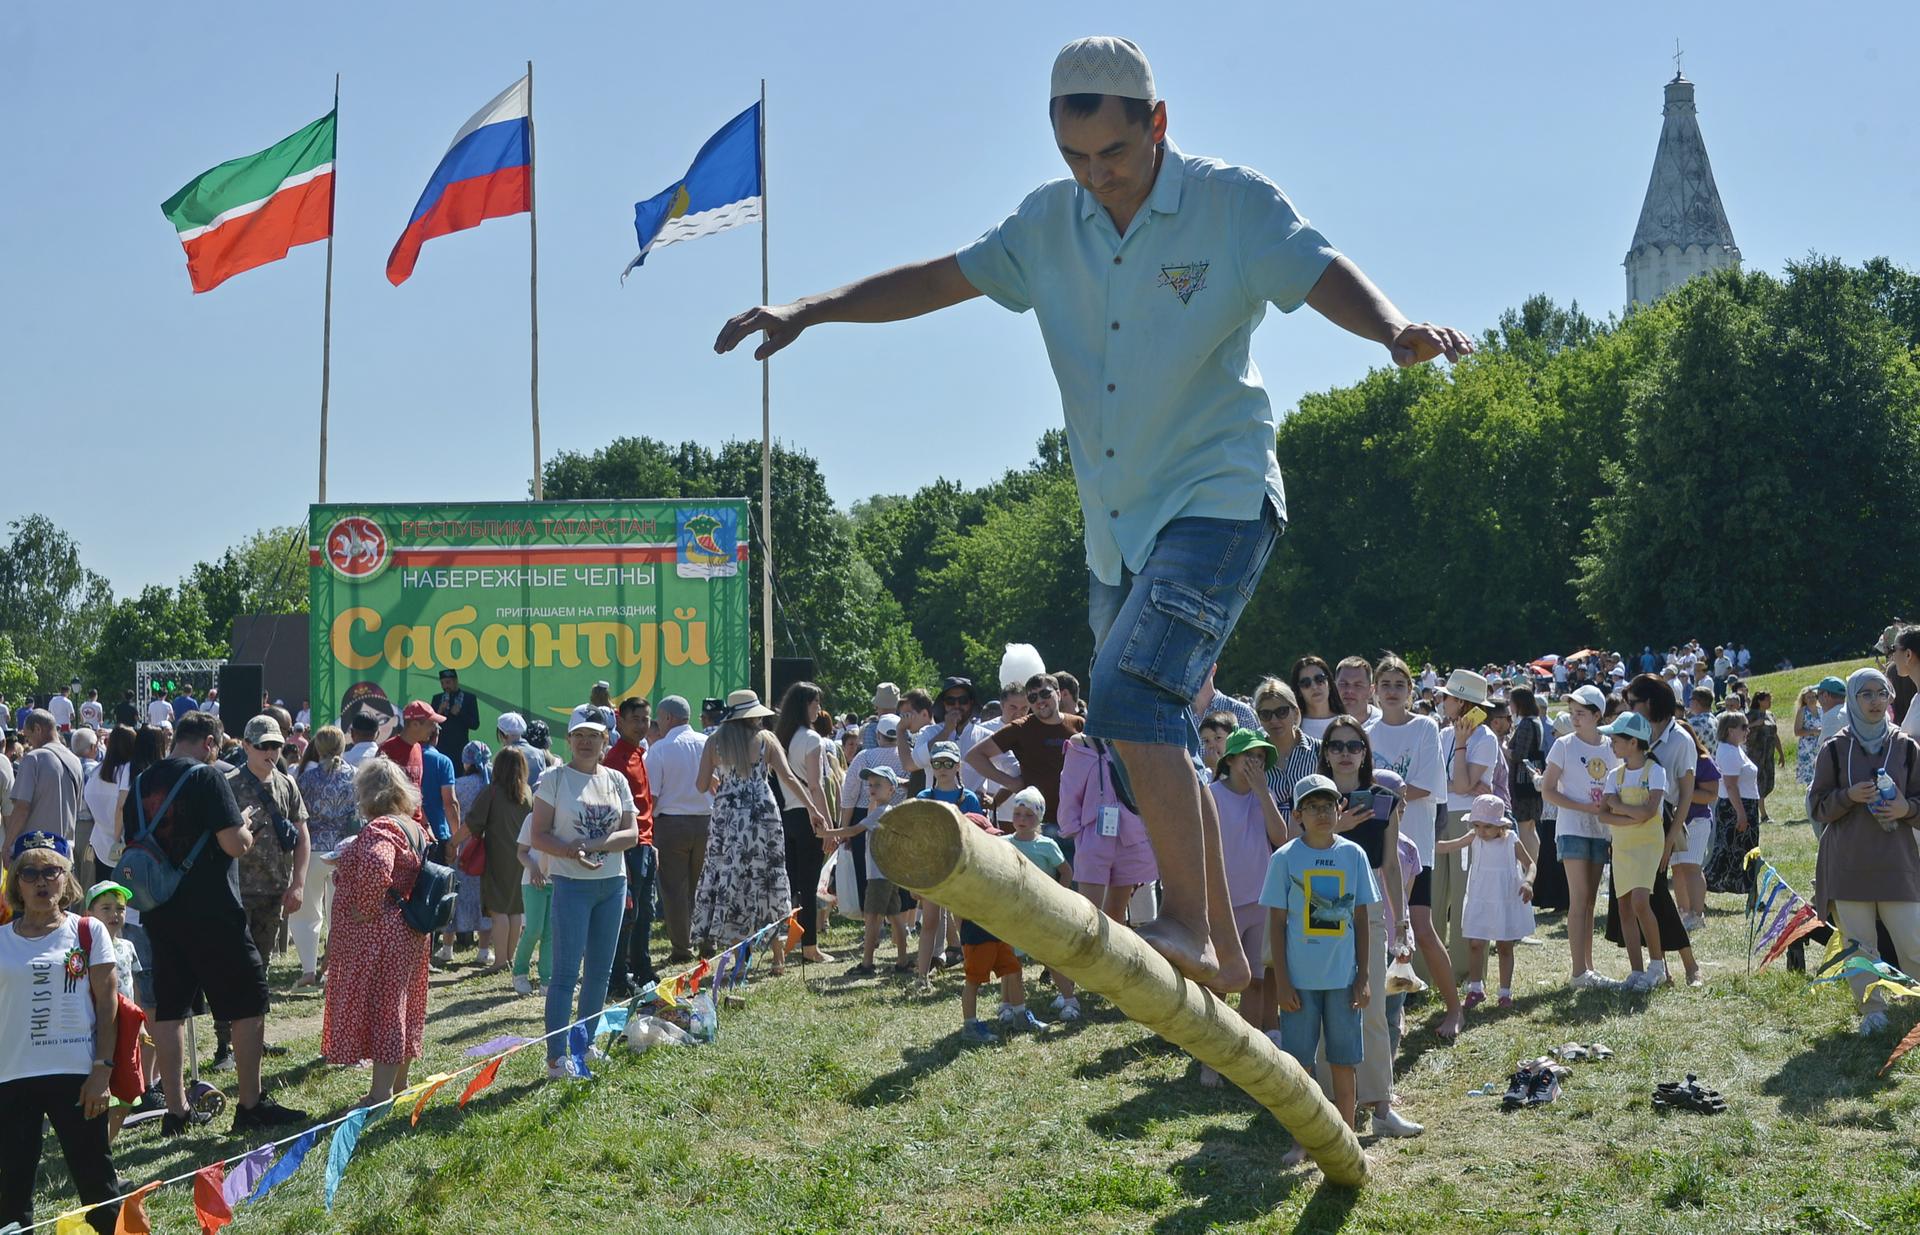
(1692, 1096)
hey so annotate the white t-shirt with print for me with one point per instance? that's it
(586, 807)
(1482, 748)
(46, 1000)
(1412, 752)
(1583, 776)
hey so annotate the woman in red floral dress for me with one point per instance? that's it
(377, 965)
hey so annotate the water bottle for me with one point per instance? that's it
(1888, 791)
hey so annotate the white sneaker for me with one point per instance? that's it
(1638, 980)
(560, 1070)
(522, 985)
(443, 955)
(1069, 1009)
(1593, 980)
(486, 956)
(1004, 1012)
(1656, 974)
(1394, 1124)
(1059, 1002)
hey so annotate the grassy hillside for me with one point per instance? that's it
(834, 1104)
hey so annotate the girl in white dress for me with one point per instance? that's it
(1499, 895)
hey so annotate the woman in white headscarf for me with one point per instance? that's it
(1866, 790)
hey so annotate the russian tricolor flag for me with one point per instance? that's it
(487, 174)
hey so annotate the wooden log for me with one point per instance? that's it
(931, 849)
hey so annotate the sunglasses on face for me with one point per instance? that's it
(1035, 696)
(954, 701)
(1279, 711)
(1317, 679)
(1352, 746)
(39, 874)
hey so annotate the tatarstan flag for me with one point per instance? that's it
(250, 211)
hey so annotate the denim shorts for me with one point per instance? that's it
(1157, 634)
(1583, 849)
(1330, 1013)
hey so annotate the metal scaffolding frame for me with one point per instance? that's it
(146, 670)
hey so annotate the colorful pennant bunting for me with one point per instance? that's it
(1906, 1044)
(133, 1218)
(340, 1152)
(1806, 922)
(795, 933)
(290, 1159)
(430, 1088)
(481, 1080)
(210, 1198)
(245, 1174)
(73, 1222)
(499, 1045)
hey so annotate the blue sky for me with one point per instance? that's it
(1466, 160)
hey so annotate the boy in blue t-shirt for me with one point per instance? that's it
(939, 929)
(1317, 887)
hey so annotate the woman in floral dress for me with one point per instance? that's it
(744, 884)
(377, 977)
(1806, 731)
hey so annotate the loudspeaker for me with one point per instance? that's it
(786, 671)
(240, 689)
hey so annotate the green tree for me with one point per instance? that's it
(161, 623)
(1772, 451)
(50, 604)
(17, 679)
(265, 573)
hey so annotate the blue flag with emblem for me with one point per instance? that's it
(721, 190)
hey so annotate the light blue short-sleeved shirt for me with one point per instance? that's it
(1149, 334)
(1321, 890)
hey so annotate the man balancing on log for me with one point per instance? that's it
(1149, 269)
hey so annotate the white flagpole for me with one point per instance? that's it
(533, 287)
(326, 319)
(766, 435)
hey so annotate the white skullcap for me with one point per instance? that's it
(1103, 64)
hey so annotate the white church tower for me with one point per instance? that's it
(1683, 228)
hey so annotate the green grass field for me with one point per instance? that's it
(832, 1104)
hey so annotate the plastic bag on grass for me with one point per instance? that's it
(703, 1021)
(647, 1032)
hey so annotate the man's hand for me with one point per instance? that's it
(1422, 341)
(1285, 996)
(781, 323)
(1361, 992)
(293, 898)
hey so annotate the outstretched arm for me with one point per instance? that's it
(890, 296)
(1345, 296)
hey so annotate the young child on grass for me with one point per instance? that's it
(985, 956)
(936, 924)
(1499, 905)
(1251, 828)
(1636, 787)
(881, 902)
(1317, 889)
(1045, 853)
(107, 905)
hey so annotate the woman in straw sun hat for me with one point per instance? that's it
(1468, 751)
(744, 884)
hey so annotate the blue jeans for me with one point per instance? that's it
(1157, 634)
(1330, 1012)
(586, 925)
(633, 953)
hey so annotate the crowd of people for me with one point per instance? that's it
(1371, 816)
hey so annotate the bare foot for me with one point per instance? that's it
(1235, 973)
(1194, 958)
(1294, 1156)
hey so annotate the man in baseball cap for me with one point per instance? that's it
(1148, 270)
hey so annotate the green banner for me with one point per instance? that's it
(531, 602)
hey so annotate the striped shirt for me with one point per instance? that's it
(1303, 760)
